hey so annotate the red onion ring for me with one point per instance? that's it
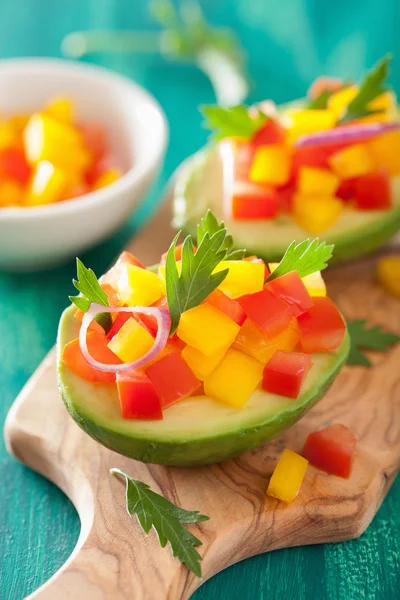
(162, 317)
(345, 134)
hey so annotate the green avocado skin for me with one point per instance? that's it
(187, 451)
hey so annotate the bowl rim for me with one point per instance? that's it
(132, 177)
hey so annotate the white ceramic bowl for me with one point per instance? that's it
(33, 238)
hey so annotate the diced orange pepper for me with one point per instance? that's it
(73, 358)
(271, 165)
(288, 476)
(354, 161)
(47, 185)
(253, 342)
(385, 150)
(106, 178)
(11, 193)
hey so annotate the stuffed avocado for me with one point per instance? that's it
(213, 355)
(326, 166)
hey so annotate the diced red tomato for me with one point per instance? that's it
(13, 164)
(172, 378)
(271, 133)
(111, 277)
(270, 313)
(259, 260)
(138, 396)
(94, 138)
(285, 373)
(285, 195)
(112, 295)
(228, 306)
(315, 156)
(332, 84)
(292, 290)
(120, 320)
(252, 201)
(332, 450)
(373, 191)
(73, 358)
(127, 258)
(345, 190)
(322, 327)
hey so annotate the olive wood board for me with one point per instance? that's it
(114, 560)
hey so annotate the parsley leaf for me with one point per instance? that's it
(305, 258)
(321, 101)
(232, 122)
(373, 85)
(88, 285)
(152, 510)
(209, 224)
(367, 338)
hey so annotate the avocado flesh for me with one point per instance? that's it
(195, 431)
(199, 187)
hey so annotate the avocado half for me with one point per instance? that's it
(195, 431)
(199, 187)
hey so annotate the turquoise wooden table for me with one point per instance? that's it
(38, 525)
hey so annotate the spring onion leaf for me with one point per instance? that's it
(232, 122)
(373, 85)
(88, 285)
(367, 338)
(305, 258)
(153, 510)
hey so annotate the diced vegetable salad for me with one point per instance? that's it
(313, 159)
(163, 336)
(50, 156)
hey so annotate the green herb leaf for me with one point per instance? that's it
(152, 510)
(232, 122)
(305, 258)
(367, 338)
(320, 102)
(209, 224)
(88, 285)
(373, 85)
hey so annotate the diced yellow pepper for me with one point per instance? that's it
(288, 476)
(271, 165)
(47, 184)
(388, 272)
(385, 150)
(314, 282)
(317, 182)
(339, 101)
(207, 329)
(235, 379)
(11, 193)
(131, 342)
(386, 103)
(139, 287)
(60, 108)
(305, 121)
(353, 161)
(314, 213)
(244, 277)
(107, 178)
(46, 138)
(200, 364)
(253, 342)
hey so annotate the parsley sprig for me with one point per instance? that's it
(196, 280)
(367, 338)
(153, 510)
(88, 285)
(232, 122)
(305, 258)
(373, 85)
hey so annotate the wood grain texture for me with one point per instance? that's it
(113, 560)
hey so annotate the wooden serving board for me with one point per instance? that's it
(113, 560)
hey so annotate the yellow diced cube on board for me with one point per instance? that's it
(288, 475)
(200, 364)
(61, 108)
(11, 193)
(388, 272)
(139, 287)
(385, 150)
(244, 277)
(316, 213)
(47, 184)
(131, 342)
(271, 165)
(207, 329)
(314, 182)
(235, 379)
(106, 178)
(305, 121)
(339, 101)
(353, 161)
(314, 282)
